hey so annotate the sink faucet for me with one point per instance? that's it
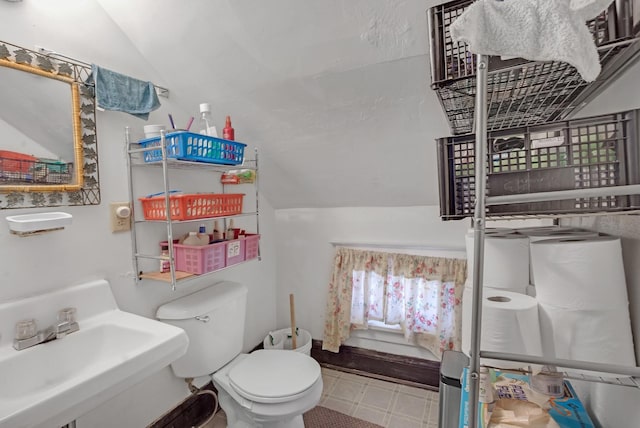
(27, 334)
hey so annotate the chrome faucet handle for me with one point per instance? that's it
(66, 322)
(26, 329)
(67, 315)
(27, 334)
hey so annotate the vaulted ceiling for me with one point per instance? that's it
(334, 93)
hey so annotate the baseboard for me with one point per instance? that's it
(402, 369)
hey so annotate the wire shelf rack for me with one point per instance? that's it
(520, 92)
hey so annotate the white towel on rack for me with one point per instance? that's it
(537, 30)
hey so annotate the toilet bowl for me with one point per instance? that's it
(267, 388)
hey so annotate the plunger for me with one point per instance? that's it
(292, 309)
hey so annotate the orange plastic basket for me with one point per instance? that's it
(192, 206)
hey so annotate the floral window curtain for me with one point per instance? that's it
(352, 271)
(421, 294)
(424, 296)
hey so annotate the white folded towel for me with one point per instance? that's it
(537, 30)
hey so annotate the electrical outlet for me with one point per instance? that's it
(120, 216)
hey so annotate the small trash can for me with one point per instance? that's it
(281, 339)
(453, 362)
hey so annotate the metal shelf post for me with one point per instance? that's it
(478, 236)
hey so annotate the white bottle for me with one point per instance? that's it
(206, 121)
(486, 388)
(192, 239)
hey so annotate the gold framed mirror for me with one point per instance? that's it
(48, 144)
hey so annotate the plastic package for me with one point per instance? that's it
(238, 176)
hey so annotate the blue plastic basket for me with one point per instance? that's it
(190, 146)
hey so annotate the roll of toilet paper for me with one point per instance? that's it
(506, 261)
(560, 233)
(509, 324)
(580, 273)
(597, 335)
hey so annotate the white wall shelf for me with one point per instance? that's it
(31, 224)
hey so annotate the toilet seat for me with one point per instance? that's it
(274, 376)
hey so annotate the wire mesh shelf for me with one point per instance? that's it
(628, 381)
(520, 92)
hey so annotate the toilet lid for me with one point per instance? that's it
(270, 376)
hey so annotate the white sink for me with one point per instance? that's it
(58, 381)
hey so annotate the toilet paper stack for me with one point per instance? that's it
(582, 296)
(506, 260)
(536, 234)
(509, 324)
(584, 314)
(509, 317)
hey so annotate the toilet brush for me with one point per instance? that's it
(293, 321)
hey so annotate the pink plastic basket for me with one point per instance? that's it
(200, 259)
(251, 246)
(235, 251)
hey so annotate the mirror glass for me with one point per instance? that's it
(48, 149)
(36, 130)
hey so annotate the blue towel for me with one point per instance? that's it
(117, 92)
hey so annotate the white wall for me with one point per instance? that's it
(87, 249)
(305, 253)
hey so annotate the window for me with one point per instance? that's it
(420, 294)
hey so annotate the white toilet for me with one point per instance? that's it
(267, 388)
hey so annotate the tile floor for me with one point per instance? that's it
(384, 403)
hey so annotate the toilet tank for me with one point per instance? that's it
(214, 321)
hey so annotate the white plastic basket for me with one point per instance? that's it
(281, 339)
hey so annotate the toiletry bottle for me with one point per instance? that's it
(193, 239)
(206, 121)
(228, 132)
(217, 235)
(230, 233)
(164, 251)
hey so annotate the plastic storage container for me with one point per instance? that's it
(192, 206)
(190, 146)
(521, 92)
(282, 340)
(235, 251)
(251, 246)
(592, 152)
(16, 162)
(200, 259)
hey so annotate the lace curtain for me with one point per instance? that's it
(421, 294)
